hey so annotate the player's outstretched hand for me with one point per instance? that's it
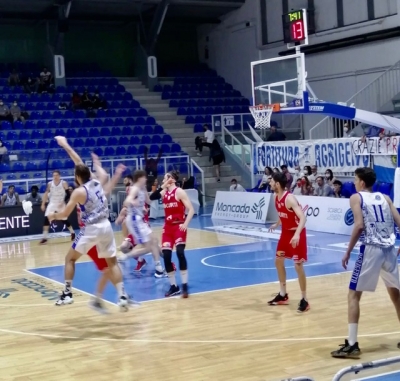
(120, 169)
(345, 260)
(295, 240)
(61, 140)
(272, 227)
(96, 160)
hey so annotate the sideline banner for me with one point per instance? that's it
(241, 206)
(327, 214)
(340, 155)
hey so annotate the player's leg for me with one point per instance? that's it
(282, 297)
(179, 240)
(167, 243)
(46, 226)
(71, 229)
(364, 278)
(299, 258)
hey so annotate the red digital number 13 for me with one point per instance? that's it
(298, 30)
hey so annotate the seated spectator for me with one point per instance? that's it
(337, 189)
(217, 156)
(11, 198)
(321, 188)
(76, 101)
(13, 79)
(188, 183)
(307, 170)
(235, 187)
(314, 174)
(306, 188)
(16, 112)
(45, 80)
(297, 175)
(206, 141)
(3, 153)
(5, 112)
(329, 178)
(31, 84)
(98, 103)
(276, 170)
(276, 135)
(297, 188)
(86, 101)
(289, 177)
(264, 184)
(34, 196)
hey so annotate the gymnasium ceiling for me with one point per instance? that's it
(193, 11)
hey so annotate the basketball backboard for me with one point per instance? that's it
(280, 81)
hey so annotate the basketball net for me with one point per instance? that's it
(262, 116)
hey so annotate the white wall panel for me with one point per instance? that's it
(385, 8)
(355, 11)
(274, 21)
(325, 14)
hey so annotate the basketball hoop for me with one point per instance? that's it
(262, 115)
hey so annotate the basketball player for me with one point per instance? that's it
(292, 242)
(97, 231)
(135, 220)
(55, 194)
(175, 201)
(374, 215)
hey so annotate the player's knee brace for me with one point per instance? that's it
(180, 252)
(46, 221)
(167, 254)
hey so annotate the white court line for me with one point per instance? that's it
(62, 284)
(377, 375)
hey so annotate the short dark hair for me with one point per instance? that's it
(82, 171)
(129, 177)
(174, 175)
(138, 175)
(337, 182)
(281, 179)
(367, 175)
(34, 187)
(320, 177)
(57, 171)
(233, 181)
(284, 166)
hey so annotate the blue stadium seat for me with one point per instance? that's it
(36, 134)
(140, 121)
(167, 139)
(38, 175)
(79, 143)
(132, 150)
(158, 129)
(175, 148)
(90, 142)
(79, 114)
(53, 123)
(86, 123)
(65, 123)
(6, 126)
(12, 135)
(154, 149)
(98, 151)
(43, 144)
(132, 112)
(31, 166)
(48, 134)
(105, 131)
(141, 150)
(69, 164)
(142, 112)
(83, 133)
(41, 165)
(112, 141)
(148, 130)
(18, 125)
(109, 151)
(134, 140)
(165, 148)
(71, 133)
(116, 131)
(347, 189)
(137, 130)
(375, 188)
(146, 139)
(30, 144)
(59, 132)
(53, 143)
(120, 151)
(20, 190)
(101, 142)
(126, 130)
(385, 188)
(18, 166)
(97, 122)
(4, 168)
(94, 132)
(30, 125)
(122, 113)
(156, 139)
(11, 177)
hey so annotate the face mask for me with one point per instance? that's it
(327, 176)
(296, 171)
(303, 182)
(299, 183)
(345, 129)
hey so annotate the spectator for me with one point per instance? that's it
(306, 188)
(206, 141)
(34, 196)
(347, 132)
(4, 112)
(86, 101)
(275, 136)
(13, 79)
(151, 167)
(155, 185)
(297, 189)
(307, 170)
(297, 175)
(289, 177)
(235, 187)
(276, 170)
(217, 156)
(337, 189)
(45, 80)
(321, 188)
(314, 174)
(16, 112)
(11, 198)
(264, 184)
(30, 84)
(76, 101)
(3, 152)
(98, 103)
(329, 178)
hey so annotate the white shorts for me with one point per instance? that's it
(372, 262)
(100, 235)
(139, 229)
(54, 208)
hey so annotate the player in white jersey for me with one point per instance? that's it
(137, 226)
(374, 215)
(55, 194)
(97, 230)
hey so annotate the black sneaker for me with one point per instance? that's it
(303, 306)
(64, 299)
(279, 300)
(185, 291)
(347, 351)
(173, 290)
(97, 305)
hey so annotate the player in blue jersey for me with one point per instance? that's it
(374, 218)
(90, 195)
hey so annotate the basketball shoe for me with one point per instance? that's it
(279, 300)
(347, 351)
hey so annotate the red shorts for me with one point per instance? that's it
(100, 263)
(172, 236)
(286, 250)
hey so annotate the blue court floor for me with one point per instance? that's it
(392, 376)
(219, 267)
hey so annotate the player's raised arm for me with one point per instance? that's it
(78, 196)
(108, 188)
(62, 142)
(184, 198)
(132, 196)
(101, 174)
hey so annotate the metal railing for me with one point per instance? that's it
(27, 183)
(194, 165)
(365, 366)
(370, 98)
(236, 147)
(301, 378)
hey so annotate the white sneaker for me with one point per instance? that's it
(64, 299)
(199, 155)
(123, 304)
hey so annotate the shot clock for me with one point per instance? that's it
(295, 31)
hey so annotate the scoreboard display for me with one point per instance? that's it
(295, 31)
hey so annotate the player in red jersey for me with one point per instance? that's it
(176, 202)
(292, 242)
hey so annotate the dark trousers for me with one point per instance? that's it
(200, 144)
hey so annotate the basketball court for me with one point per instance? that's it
(224, 331)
